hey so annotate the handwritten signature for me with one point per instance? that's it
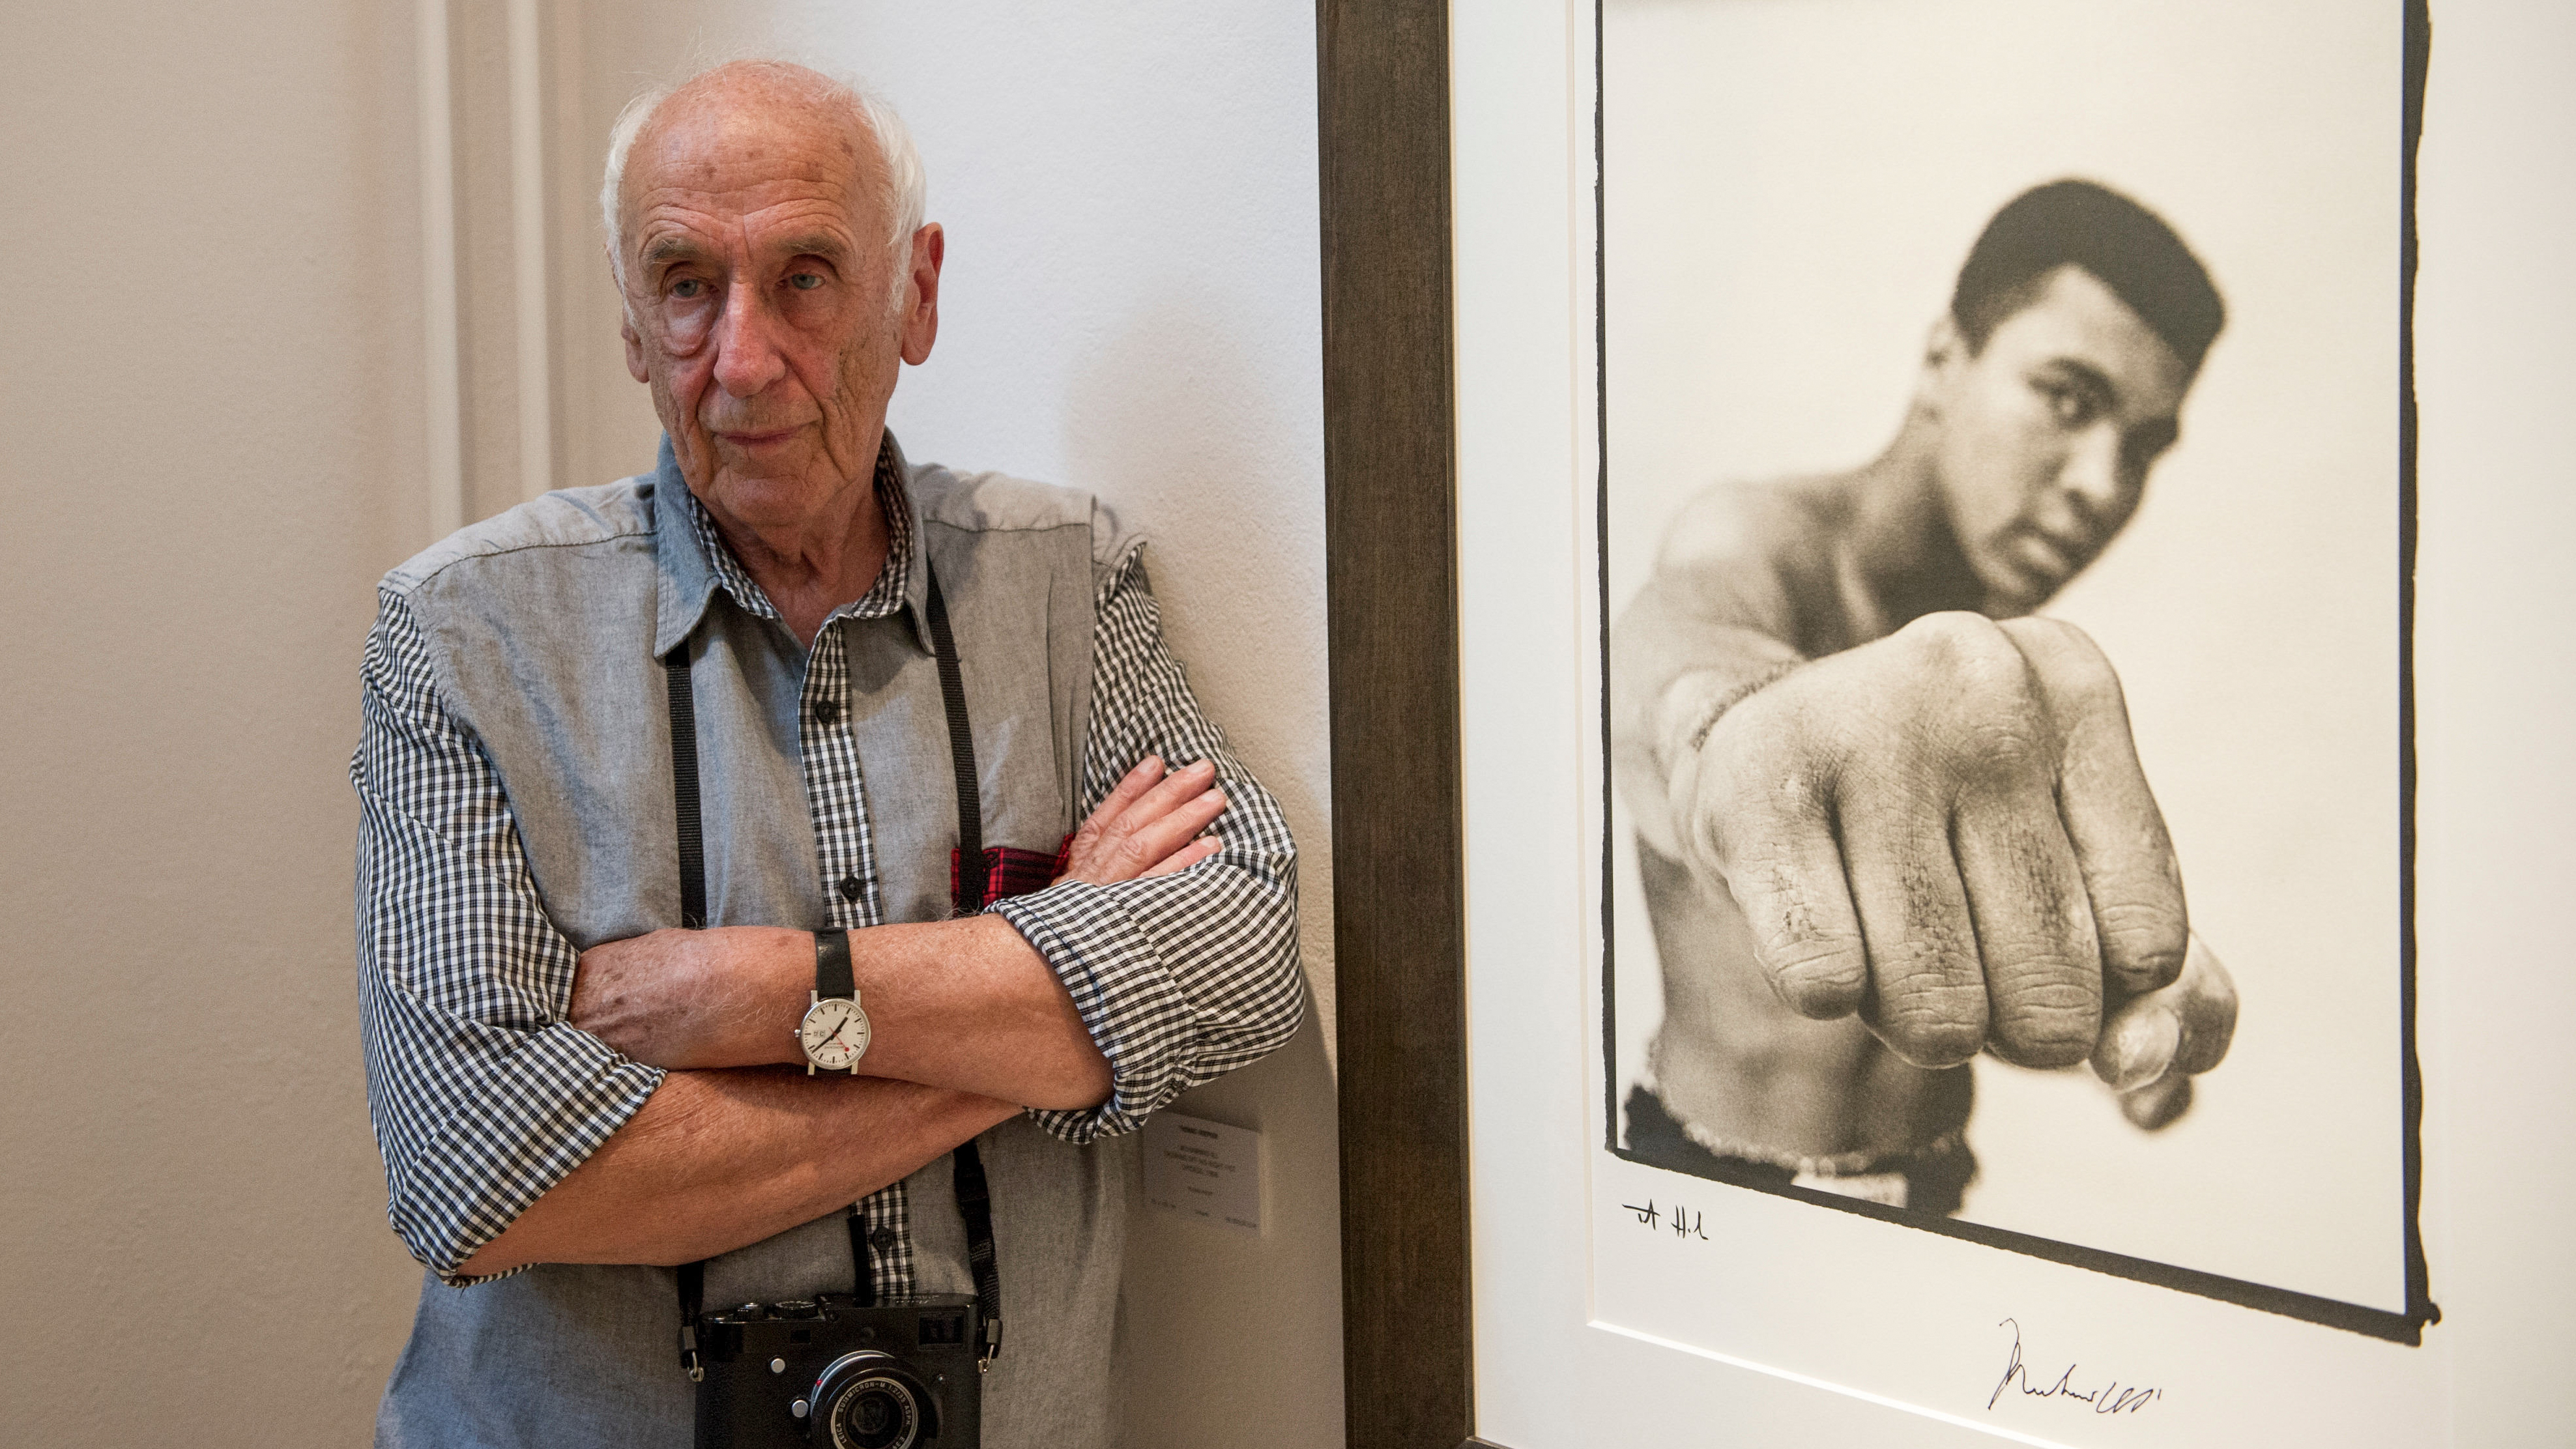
(2106, 1398)
(1686, 1224)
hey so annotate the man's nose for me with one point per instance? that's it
(2092, 477)
(747, 355)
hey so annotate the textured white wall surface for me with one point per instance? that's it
(2495, 690)
(211, 444)
(207, 433)
(1130, 305)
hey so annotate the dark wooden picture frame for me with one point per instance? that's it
(1390, 533)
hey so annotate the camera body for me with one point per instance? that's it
(831, 1374)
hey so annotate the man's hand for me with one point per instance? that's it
(695, 999)
(1150, 824)
(964, 1003)
(1947, 833)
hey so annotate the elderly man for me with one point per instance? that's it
(1884, 819)
(680, 941)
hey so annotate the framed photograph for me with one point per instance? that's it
(1935, 346)
(1747, 346)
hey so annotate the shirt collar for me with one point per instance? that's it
(695, 560)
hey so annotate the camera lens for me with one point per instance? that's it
(876, 1413)
(873, 1400)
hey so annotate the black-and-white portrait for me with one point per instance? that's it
(2002, 549)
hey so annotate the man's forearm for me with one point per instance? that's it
(967, 1005)
(972, 1005)
(716, 1160)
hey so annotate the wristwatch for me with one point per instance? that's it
(834, 1032)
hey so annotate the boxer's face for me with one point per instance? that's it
(2047, 433)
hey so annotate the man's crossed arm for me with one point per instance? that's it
(969, 1025)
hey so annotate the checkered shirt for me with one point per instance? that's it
(482, 1099)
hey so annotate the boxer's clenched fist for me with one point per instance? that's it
(1946, 832)
(2153, 1045)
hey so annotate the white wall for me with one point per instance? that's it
(2496, 691)
(1130, 305)
(212, 443)
(209, 449)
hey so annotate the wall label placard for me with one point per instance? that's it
(1202, 1170)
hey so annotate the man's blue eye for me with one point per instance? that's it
(687, 287)
(805, 281)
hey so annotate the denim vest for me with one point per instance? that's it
(546, 625)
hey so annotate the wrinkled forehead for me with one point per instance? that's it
(753, 141)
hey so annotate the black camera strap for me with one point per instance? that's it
(974, 1194)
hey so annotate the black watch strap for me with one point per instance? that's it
(832, 966)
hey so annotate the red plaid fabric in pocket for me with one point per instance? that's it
(1010, 871)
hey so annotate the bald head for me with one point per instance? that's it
(741, 102)
(764, 222)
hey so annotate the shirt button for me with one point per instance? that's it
(825, 711)
(882, 1238)
(849, 887)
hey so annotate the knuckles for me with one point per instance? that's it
(1821, 981)
(2048, 1013)
(1928, 1036)
(1955, 695)
(1952, 706)
(1747, 800)
(1925, 1011)
(1971, 701)
(2045, 1043)
(1957, 648)
(1998, 753)
(2074, 676)
(2143, 946)
(2064, 652)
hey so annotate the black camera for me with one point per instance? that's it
(834, 1372)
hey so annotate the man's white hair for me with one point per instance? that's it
(904, 194)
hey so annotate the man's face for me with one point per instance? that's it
(2047, 433)
(757, 284)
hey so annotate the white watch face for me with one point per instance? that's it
(835, 1033)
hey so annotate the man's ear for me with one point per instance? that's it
(921, 319)
(626, 321)
(634, 350)
(1943, 352)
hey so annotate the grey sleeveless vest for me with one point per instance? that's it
(546, 626)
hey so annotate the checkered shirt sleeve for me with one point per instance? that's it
(1181, 978)
(481, 1094)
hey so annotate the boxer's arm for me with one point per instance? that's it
(1711, 625)
(1674, 670)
